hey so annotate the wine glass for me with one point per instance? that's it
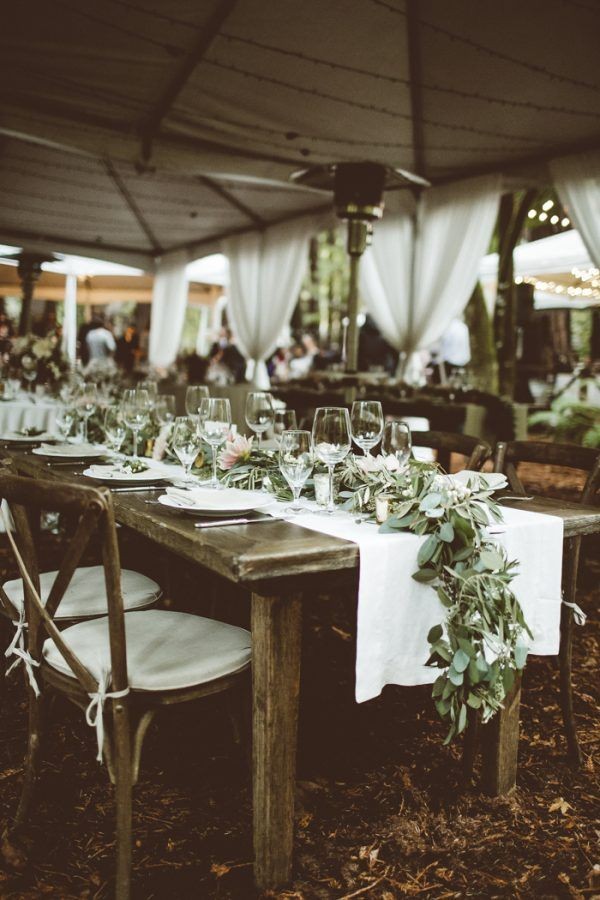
(259, 412)
(152, 388)
(214, 423)
(136, 409)
(186, 443)
(367, 424)
(29, 371)
(332, 440)
(284, 420)
(397, 441)
(165, 408)
(114, 429)
(194, 395)
(65, 417)
(86, 400)
(295, 462)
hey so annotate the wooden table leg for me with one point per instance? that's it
(276, 640)
(500, 745)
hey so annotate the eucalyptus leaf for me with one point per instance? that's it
(446, 532)
(460, 660)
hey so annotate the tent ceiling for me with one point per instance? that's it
(133, 127)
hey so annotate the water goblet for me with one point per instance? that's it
(152, 388)
(65, 418)
(295, 462)
(194, 395)
(136, 409)
(397, 441)
(86, 400)
(332, 440)
(186, 443)
(214, 423)
(284, 420)
(367, 424)
(259, 413)
(114, 429)
(165, 408)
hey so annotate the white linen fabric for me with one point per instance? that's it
(166, 650)
(577, 180)
(266, 271)
(86, 594)
(25, 412)
(169, 300)
(442, 243)
(395, 613)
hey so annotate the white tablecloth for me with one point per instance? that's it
(27, 412)
(395, 612)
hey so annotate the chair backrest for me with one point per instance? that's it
(476, 450)
(508, 455)
(93, 510)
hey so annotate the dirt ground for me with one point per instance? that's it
(381, 809)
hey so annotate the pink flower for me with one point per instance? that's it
(235, 451)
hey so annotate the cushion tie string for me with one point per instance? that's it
(94, 714)
(579, 616)
(16, 647)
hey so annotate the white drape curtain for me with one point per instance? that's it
(169, 301)
(444, 240)
(265, 274)
(577, 180)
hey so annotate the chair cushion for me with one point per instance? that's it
(166, 650)
(86, 594)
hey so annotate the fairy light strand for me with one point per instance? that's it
(357, 104)
(489, 51)
(394, 79)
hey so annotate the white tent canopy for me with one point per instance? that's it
(132, 129)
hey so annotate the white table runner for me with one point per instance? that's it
(395, 612)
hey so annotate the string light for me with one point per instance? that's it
(591, 291)
(564, 222)
(532, 214)
(554, 220)
(548, 205)
(543, 216)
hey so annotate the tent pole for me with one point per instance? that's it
(69, 336)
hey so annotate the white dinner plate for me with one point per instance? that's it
(70, 451)
(112, 475)
(215, 503)
(13, 437)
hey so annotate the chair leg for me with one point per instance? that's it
(470, 745)
(566, 684)
(123, 790)
(565, 653)
(32, 759)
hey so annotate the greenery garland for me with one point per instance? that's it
(482, 641)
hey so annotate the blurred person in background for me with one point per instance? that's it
(100, 341)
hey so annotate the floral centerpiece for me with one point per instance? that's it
(37, 360)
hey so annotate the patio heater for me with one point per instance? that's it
(29, 270)
(358, 198)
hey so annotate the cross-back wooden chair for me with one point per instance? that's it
(475, 450)
(507, 458)
(134, 662)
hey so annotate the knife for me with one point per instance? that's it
(217, 523)
(130, 490)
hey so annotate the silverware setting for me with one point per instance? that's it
(131, 490)
(220, 523)
(513, 497)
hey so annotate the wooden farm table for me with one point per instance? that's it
(279, 563)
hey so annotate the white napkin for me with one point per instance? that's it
(395, 612)
(70, 449)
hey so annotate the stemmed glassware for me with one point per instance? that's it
(86, 400)
(284, 420)
(194, 396)
(152, 388)
(367, 424)
(136, 409)
(65, 417)
(214, 424)
(332, 440)
(397, 441)
(114, 429)
(165, 408)
(259, 413)
(186, 443)
(295, 462)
